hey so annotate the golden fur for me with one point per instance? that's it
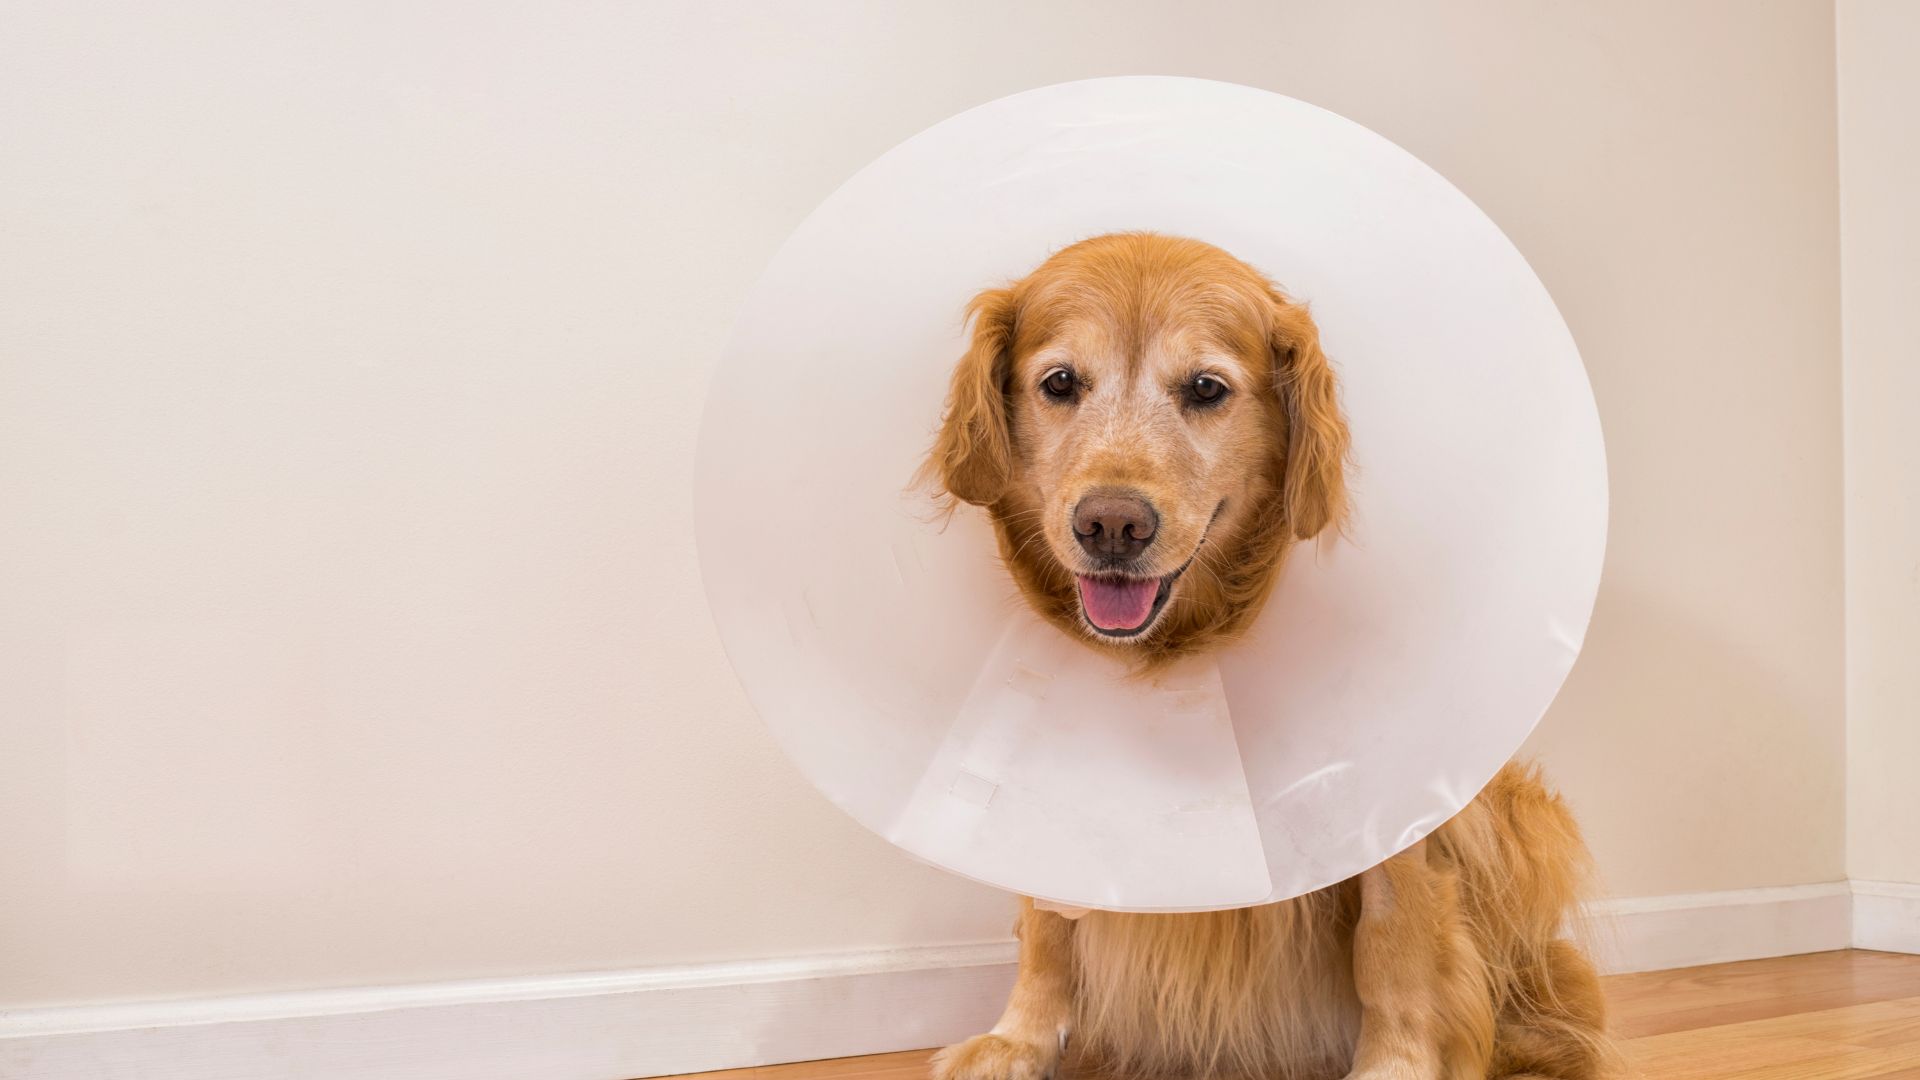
(1447, 960)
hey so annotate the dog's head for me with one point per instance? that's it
(1150, 423)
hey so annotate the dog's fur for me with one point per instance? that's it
(1444, 961)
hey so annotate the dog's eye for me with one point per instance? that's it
(1058, 384)
(1206, 390)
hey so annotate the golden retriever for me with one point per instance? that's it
(1150, 423)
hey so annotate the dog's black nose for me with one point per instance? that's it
(1113, 526)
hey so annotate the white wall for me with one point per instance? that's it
(350, 358)
(1880, 274)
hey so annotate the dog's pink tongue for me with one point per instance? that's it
(1118, 604)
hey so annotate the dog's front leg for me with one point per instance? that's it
(1424, 1011)
(1031, 1036)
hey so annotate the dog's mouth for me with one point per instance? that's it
(1119, 606)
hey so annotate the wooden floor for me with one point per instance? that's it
(1830, 1016)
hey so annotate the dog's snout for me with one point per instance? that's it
(1114, 526)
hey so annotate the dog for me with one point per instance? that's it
(1150, 424)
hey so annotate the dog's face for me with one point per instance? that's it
(1149, 422)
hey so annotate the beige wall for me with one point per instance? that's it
(350, 628)
(1880, 275)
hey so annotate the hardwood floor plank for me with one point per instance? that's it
(1656, 1002)
(1783, 1060)
(1868, 1040)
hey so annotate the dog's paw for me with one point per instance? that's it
(995, 1057)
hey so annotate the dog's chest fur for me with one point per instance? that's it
(1258, 992)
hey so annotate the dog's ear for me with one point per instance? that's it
(1314, 489)
(972, 458)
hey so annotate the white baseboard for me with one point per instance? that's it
(621, 1025)
(1886, 916)
(612, 1026)
(1653, 933)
